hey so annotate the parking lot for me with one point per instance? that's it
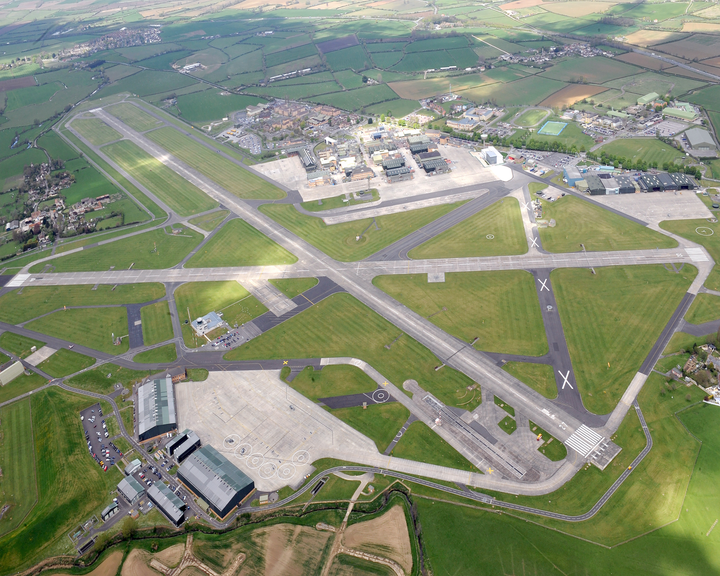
(97, 437)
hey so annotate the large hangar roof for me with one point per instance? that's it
(156, 405)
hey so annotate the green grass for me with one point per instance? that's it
(96, 131)
(683, 342)
(163, 354)
(646, 149)
(530, 90)
(605, 329)
(597, 70)
(469, 238)
(128, 417)
(70, 485)
(531, 117)
(666, 364)
(180, 195)
(580, 221)
(33, 301)
(705, 308)
(91, 327)
(209, 222)
(551, 447)
(688, 229)
(508, 424)
(500, 309)
(65, 362)
(152, 250)
(156, 323)
(332, 381)
(338, 202)
(21, 385)
(212, 105)
(197, 374)
(233, 178)
(336, 489)
(421, 444)
(379, 422)
(19, 345)
(540, 377)
(18, 483)
(572, 135)
(96, 380)
(239, 244)
(134, 117)
(341, 326)
(505, 406)
(292, 287)
(338, 241)
(199, 298)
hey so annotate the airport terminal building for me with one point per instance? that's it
(214, 479)
(156, 409)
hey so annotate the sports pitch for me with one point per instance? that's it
(552, 128)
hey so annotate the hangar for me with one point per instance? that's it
(167, 502)
(131, 489)
(183, 445)
(212, 477)
(156, 409)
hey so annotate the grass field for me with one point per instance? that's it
(235, 179)
(469, 238)
(163, 354)
(181, 196)
(540, 377)
(596, 70)
(103, 378)
(96, 131)
(18, 345)
(341, 326)
(580, 221)
(606, 329)
(423, 445)
(209, 222)
(335, 380)
(91, 327)
(133, 116)
(148, 251)
(548, 445)
(339, 202)
(705, 308)
(156, 323)
(379, 422)
(689, 229)
(646, 149)
(196, 299)
(239, 244)
(292, 287)
(681, 341)
(531, 117)
(508, 425)
(70, 485)
(18, 483)
(499, 309)
(338, 241)
(65, 362)
(21, 385)
(33, 301)
(528, 91)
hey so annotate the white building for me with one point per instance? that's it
(491, 155)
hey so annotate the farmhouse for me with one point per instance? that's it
(130, 489)
(156, 409)
(167, 502)
(212, 477)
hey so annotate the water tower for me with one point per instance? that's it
(484, 139)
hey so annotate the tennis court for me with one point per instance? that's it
(551, 128)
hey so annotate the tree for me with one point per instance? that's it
(101, 541)
(128, 527)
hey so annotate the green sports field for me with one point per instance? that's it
(531, 117)
(156, 323)
(235, 179)
(181, 196)
(500, 309)
(338, 240)
(502, 221)
(133, 116)
(239, 244)
(96, 131)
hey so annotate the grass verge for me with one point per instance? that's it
(65, 362)
(540, 377)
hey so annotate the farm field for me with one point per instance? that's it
(607, 330)
(530, 90)
(422, 444)
(501, 220)
(96, 131)
(235, 179)
(570, 95)
(341, 326)
(147, 251)
(581, 222)
(65, 362)
(500, 309)
(212, 105)
(179, 194)
(134, 117)
(156, 323)
(338, 240)
(239, 244)
(646, 149)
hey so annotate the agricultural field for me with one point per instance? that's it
(530, 90)
(597, 70)
(569, 95)
(499, 309)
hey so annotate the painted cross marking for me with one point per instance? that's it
(565, 380)
(534, 243)
(285, 362)
(543, 285)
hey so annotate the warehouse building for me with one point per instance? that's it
(683, 181)
(419, 147)
(643, 100)
(130, 489)
(626, 185)
(167, 502)
(306, 159)
(572, 175)
(595, 185)
(650, 183)
(701, 142)
(214, 479)
(435, 166)
(399, 174)
(390, 163)
(182, 445)
(664, 182)
(156, 409)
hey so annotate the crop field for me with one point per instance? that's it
(212, 105)
(597, 70)
(65, 362)
(96, 131)
(530, 90)
(386, 59)
(91, 327)
(148, 251)
(148, 82)
(340, 326)
(646, 149)
(133, 116)
(420, 443)
(540, 377)
(609, 337)
(570, 95)
(354, 57)
(469, 238)
(306, 90)
(156, 323)
(179, 194)
(416, 89)
(661, 83)
(580, 221)
(357, 99)
(234, 178)
(339, 240)
(699, 231)
(239, 244)
(500, 309)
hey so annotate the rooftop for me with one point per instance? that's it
(156, 405)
